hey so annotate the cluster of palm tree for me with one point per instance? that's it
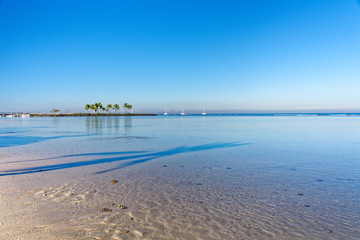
(99, 107)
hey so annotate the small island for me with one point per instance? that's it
(88, 114)
(97, 109)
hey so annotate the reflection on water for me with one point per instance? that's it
(107, 124)
(128, 123)
(116, 122)
(56, 122)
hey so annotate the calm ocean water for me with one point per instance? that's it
(291, 176)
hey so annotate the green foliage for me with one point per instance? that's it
(116, 107)
(127, 106)
(98, 106)
(110, 107)
(87, 107)
(93, 107)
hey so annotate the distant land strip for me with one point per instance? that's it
(88, 114)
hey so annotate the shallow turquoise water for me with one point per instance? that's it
(301, 168)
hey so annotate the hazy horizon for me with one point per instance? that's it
(214, 111)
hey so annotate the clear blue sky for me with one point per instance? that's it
(234, 56)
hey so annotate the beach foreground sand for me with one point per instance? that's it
(72, 205)
(149, 201)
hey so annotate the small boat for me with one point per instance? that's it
(182, 112)
(25, 115)
(203, 112)
(9, 116)
(165, 113)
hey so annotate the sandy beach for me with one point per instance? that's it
(72, 205)
(64, 205)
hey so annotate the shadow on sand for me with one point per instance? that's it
(126, 161)
(79, 155)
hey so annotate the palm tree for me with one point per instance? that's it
(87, 107)
(127, 106)
(109, 107)
(116, 107)
(101, 107)
(93, 107)
(55, 110)
(98, 106)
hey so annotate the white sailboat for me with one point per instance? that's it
(165, 113)
(182, 112)
(203, 112)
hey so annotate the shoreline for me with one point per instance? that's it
(88, 114)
